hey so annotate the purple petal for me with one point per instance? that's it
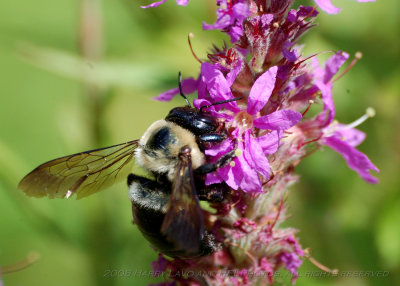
(292, 263)
(292, 16)
(269, 142)
(235, 32)
(323, 82)
(221, 23)
(307, 11)
(266, 19)
(224, 147)
(182, 2)
(257, 159)
(217, 85)
(234, 175)
(240, 11)
(154, 4)
(278, 120)
(261, 90)
(356, 160)
(198, 103)
(333, 64)
(189, 85)
(160, 265)
(291, 56)
(327, 6)
(231, 76)
(213, 178)
(329, 105)
(351, 136)
(250, 182)
(318, 71)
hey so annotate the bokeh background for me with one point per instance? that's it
(78, 75)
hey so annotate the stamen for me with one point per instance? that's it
(275, 24)
(300, 62)
(319, 264)
(310, 102)
(191, 35)
(357, 57)
(369, 112)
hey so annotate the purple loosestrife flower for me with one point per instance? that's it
(343, 139)
(230, 16)
(245, 124)
(268, 130)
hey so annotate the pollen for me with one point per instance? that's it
(370, 112)
(238, 152)
(232, 164)
(358, 55)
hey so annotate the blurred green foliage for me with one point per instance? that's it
(55, 101)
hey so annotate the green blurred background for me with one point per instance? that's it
(64, 90)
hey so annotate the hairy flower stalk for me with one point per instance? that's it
(270, 132)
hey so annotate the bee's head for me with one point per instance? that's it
(190, 118)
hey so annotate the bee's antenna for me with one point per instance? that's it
(220, 102)
(180, 89)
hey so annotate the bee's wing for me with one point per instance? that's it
(183, 222)
(82, 173)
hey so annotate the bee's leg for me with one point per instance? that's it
(215, 193)
(211, 167)
(211, 138)
(209, 244)
(207, 140)
(147, 194)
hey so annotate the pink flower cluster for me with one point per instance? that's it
(270, 132)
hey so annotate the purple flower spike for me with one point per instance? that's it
(266, 131)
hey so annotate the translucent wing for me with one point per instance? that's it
(82, 173)
(183, 222)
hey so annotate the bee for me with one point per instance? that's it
(166, 207)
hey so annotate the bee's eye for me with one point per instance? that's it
(160, 139)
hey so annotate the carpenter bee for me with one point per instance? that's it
(165, 208)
